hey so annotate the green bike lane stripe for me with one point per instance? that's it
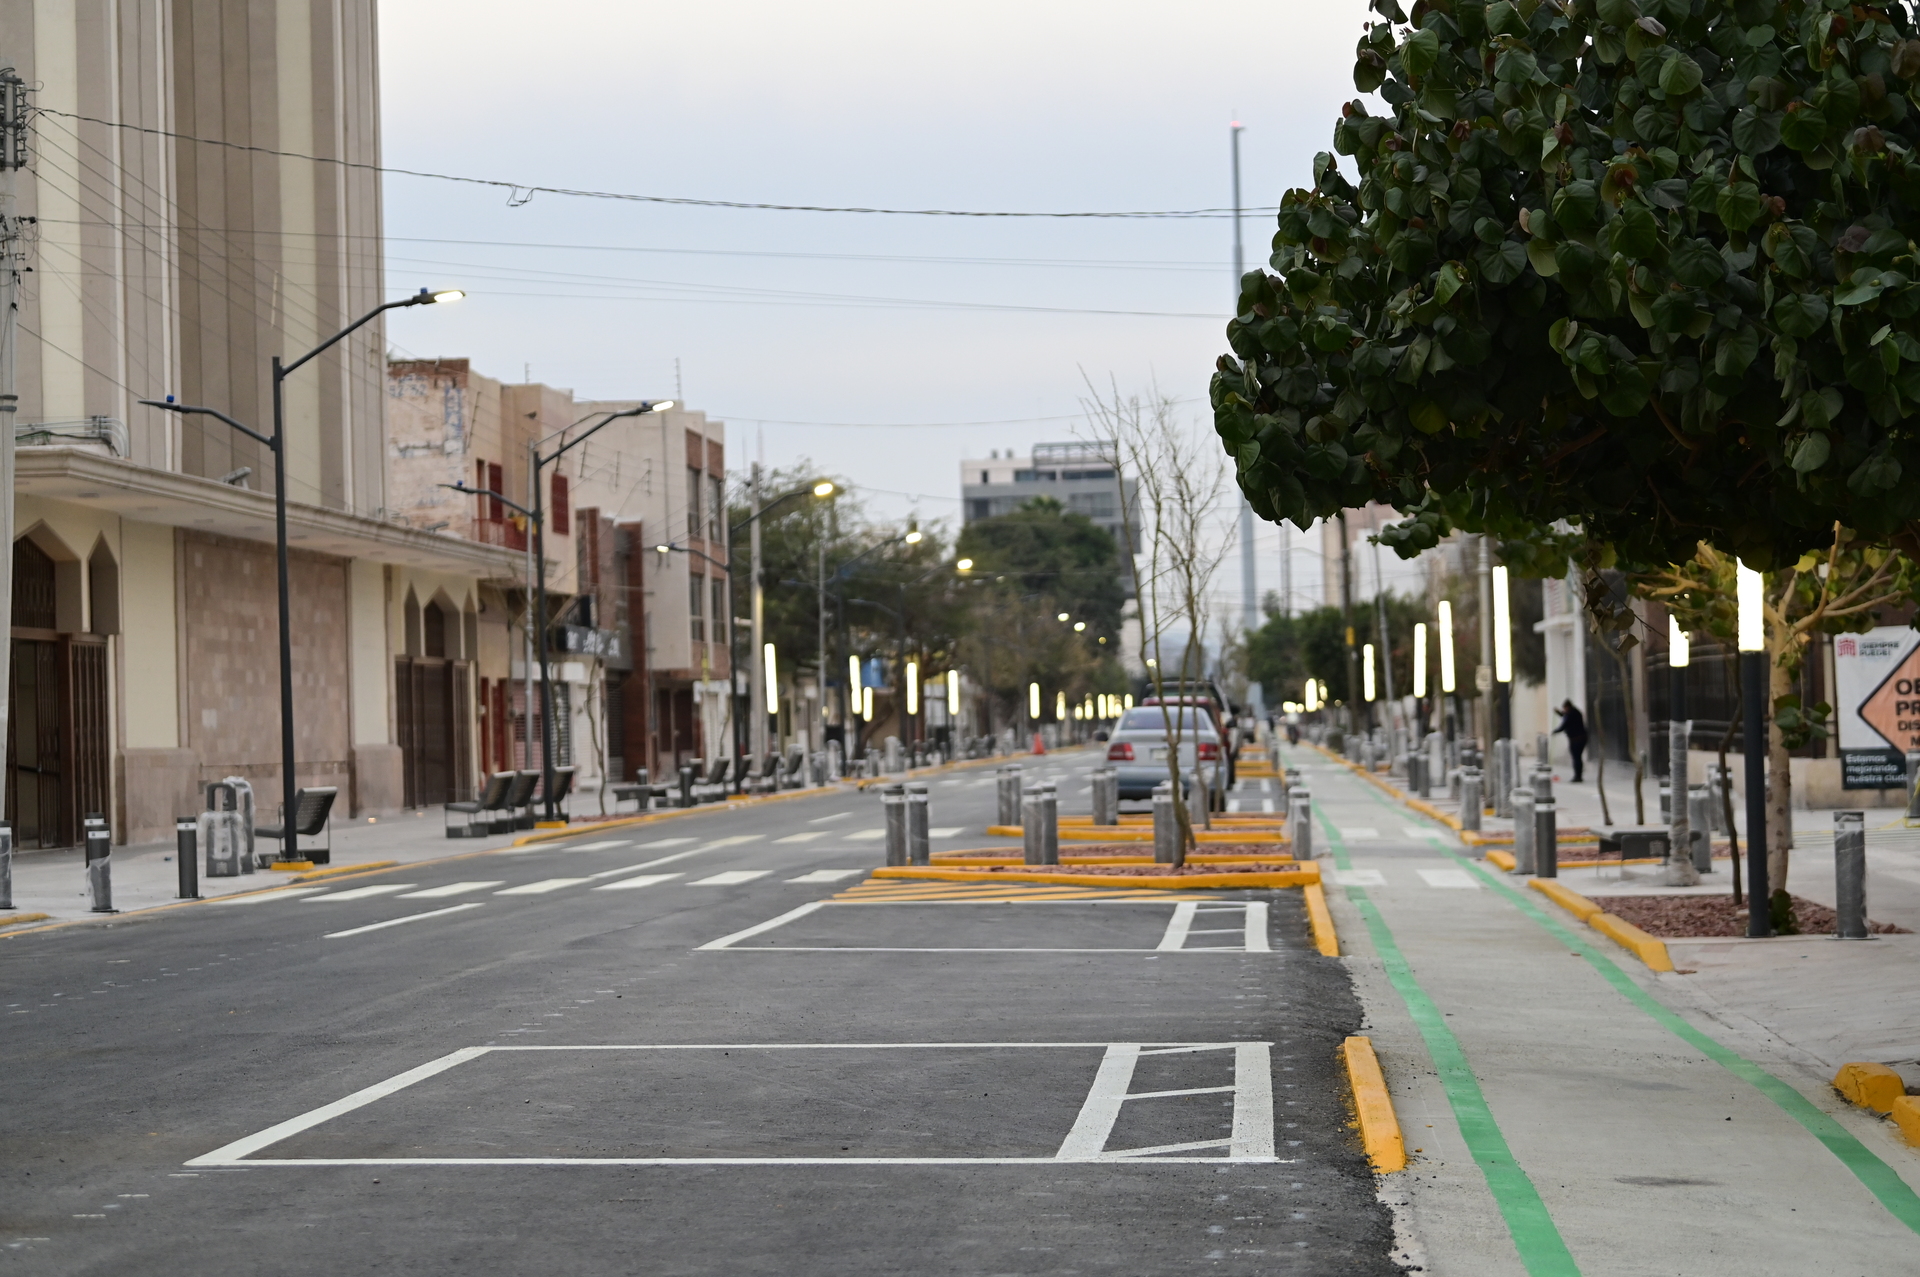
(1535, 1236)
(1880, 1179)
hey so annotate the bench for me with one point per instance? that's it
(562, 787)
(519, 796)
(1635, 842)
(312, 816)
(492, 799)
(639, 790)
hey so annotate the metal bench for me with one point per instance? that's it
(480, 812)
(519, 796)
(792, 773)
(712, 788)
(312, 816)
(562, 787)
(1635, 842)
(640, 790)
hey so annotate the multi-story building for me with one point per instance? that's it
(639, 658)
(1084, 477)
(175, 252)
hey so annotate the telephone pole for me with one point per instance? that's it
(1249, 583)
(13, 255)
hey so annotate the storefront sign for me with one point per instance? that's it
(1877, 685)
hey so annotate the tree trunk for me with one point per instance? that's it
(1779, 769)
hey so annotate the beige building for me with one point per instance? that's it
(639, 658)
(168, 260)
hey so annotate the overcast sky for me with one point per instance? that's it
(770, 319)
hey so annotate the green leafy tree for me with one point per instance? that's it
(1641, 271)
(1045, 549)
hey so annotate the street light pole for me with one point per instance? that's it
(277, 444)
(756, 677)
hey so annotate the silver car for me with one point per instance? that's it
(1137, 750)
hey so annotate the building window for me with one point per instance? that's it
(696, 596)
(495, 476)
(693, 503)
(719, 609)
(716, 507)
(985, 477)
(562, 517)
(980, 508)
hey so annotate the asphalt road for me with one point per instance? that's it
(597, 1057)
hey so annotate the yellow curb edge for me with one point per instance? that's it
(17, 919)
(1379, 1127)
(1308, 873)
(1325, 939)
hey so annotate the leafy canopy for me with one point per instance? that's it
(1044, 548)
(1644, 268)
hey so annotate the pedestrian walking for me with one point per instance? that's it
(1574, 724)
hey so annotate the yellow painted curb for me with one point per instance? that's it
(1906, 1116)
(1128, 833)
(290, 866)
(1871, 1086)
(1299, 877)
(1255, 820)
(1649, 950)
(14, 920)
(334, 871)
(1501, 860)
(1321, 921)
(1566, 897)
(1379, 1128)
(971, 860)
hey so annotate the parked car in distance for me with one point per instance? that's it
(1137, 750)
(1209, 699)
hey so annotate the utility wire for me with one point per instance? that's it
(516, 197)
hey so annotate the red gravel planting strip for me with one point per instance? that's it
(1122, 849)
(1679, 917)
(1143, 871)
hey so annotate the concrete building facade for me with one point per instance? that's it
(1084, 477)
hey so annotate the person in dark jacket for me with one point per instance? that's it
(1574, 724)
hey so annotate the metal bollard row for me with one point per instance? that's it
(893, 804)
(1546, 833)
(186, 856)
(1106, 796)
(919, 845)
(6, 866)
(1166, 828)
(99, 842)
(1850, 875)
(1700, 826)
(1008, 781)
(1471, 802)
(1300, 816)
(1521, 802)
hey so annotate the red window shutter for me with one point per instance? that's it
(562, 518)
(495, 477)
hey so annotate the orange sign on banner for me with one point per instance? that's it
(1893, 710)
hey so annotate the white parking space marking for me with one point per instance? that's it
(838, 815)
(1256, 928)
(947, 831)
(395, 922)
(1458, 879)
(264, 896)
(1360, 833)
(666, 842)
(807, 836)
(597, 846)
(1266, 787)
(1417, 831)
(1174, 939)
(827, 875)
(1233, 804)
(361, 893)
(1359, 878)
(1266, 804)
(451, 889)
(1252, 1131)
(731, 878)
(644, 880)
(727, 942)
(867, 835)
(542, 887)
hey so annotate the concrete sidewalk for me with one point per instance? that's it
(1570, 1111)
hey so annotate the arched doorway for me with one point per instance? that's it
(433, 687)
(57, 746)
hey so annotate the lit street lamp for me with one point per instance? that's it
(1752, 631)
(289, 786)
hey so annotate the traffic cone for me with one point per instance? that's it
(1039, 746)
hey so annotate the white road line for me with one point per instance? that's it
(1178, 926)
(1101, 1109)
(734, 841)
(1266, 787)
(1252, 1101)
(542, 887)
(644, 880)
(838, 815)
(327, 1112)
(1418, 831)
(727, 942)
(1458, 879)
(451, 889)
(1233, 804)
(947, 831)
(597, 846)
(289, 893)
(362, 893)
(731, 878)
(1257, 927)
(867, 835)
(805, 836)
(1359, 878)
(827, 875)
(394, 922)
(648, 864)
(742, 1161)
(666, 842)
(1359, 833)
(1266, 804)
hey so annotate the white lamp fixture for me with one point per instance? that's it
(773, 686)
(1420, 659)
(1313, 696)
(1446, 647)
(1679, 644)
(1502, 627)
(953, 693)
(1033, 701)
(1129, 701)
(1059, 707)
(853, 682)
(913, 687)
(1748, 591)
(866, 704)
(1366, 671)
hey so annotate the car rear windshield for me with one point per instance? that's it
(1153, 718)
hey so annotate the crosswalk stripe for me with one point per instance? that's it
(644, 880)
(827, 875)
(667, 842)
(254, 898)
(947, 831)
(1458, 879)
(596, 846)
(867, 835)
(451, 889)
(362, 893)
(542, 887)
(804, 836)
(731, 878)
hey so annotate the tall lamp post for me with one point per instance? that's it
(1749, 594)
(276, 444)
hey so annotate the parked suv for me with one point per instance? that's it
(1137, 751)
(1207, 696)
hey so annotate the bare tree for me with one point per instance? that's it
(1181, 482)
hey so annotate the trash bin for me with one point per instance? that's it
(220, 835)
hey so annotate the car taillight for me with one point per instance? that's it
(1120, 752)
(1209, 751)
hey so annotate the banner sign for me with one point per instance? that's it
(1876, 679)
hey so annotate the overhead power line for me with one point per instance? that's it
(520, 192)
